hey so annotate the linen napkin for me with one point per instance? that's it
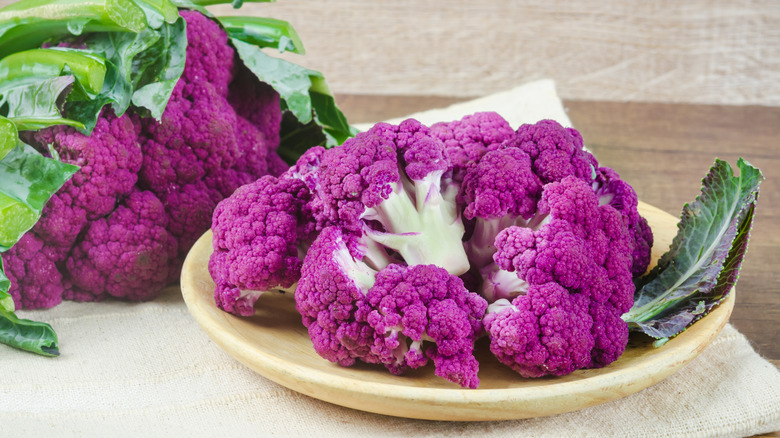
(148, 370)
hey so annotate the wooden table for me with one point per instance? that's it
(664, 150)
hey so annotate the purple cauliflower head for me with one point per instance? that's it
(220, 130)
(584, 249)
(354, 311)
(556, 152)
(392, 183)
(548, 331)
(121, 255)
(258, 236)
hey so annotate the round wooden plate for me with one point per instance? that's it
(275, 344)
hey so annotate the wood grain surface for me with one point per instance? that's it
(664, 150)
(713, 51)
(697, 51)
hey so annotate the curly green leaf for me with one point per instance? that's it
(703, 262)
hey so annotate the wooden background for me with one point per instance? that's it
(697, 51)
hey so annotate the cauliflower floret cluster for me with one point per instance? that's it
(146, 189)
(410, 242)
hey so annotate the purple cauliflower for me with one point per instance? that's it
(354, 310)
(146, 189)
(467, 139)
(617, 193)
(257, 239)
(579, 248)
(203, 148)
(120, 255)
(392, 184)
(550, 243)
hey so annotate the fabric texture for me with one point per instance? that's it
(148, 370)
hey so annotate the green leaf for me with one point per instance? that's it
(158, 12)
(305, 94)
(157, 70)
(6, 300)
(39, 105)
(702, 264)
(264, 32)
(24, 334)
(28, 24)
(143, 69)
(8, 136)
(295, 138)
(333, 121)
(27, 181)
(291, 81)
(33, 66)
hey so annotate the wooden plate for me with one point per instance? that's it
(275, 344)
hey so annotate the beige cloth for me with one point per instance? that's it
(148, 370)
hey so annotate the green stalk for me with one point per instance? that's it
(264, 32)
(29, 23)
(236, 3)
(8, 135)
(30, 66)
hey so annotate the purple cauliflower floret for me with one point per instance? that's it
(414, 304)
(331, 297)
(392, 184)
(209, 57)
(503, 189)
(31, 267)
(354, 310)
(120, 255)
(109, 160)
(556, 152)
(467, 139)
(617, 193)
(259, 234)
(584, 248)
(548, 331)
(499, 191)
